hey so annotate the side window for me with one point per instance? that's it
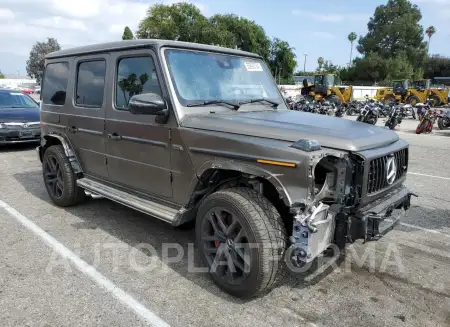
(90, 83)
(135, 76)
(55, 83)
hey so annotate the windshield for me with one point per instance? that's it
(324, 80)
(201, 76)
(16, 100)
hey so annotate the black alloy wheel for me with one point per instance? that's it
(226, 245)
(53, 177)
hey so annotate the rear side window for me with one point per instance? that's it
(135, 76)
(90, 83)
(55, 83)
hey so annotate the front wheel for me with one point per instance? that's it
(421, 127)
(242, 239)
(391, 124)
(442, 124)
(360, 118)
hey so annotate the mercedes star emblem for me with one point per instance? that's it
(391, 169)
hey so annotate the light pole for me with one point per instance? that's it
(304, 64)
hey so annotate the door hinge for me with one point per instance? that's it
(171, 177)
(104, 125)
(170, 134)
(106, 160)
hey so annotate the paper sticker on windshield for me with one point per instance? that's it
(253, 66)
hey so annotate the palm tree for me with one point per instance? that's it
(430, 32)
(352, 38)
(320, 61)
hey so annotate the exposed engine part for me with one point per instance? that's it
(313, 233)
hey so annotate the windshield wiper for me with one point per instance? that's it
(206, 103)
(272, 103)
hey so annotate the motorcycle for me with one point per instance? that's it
(444, 120)
(353, 108)
(369, 114)
(427, 119)
(340, 111)
(395, 117)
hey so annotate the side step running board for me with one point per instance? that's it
(148, 207)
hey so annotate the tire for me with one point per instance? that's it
(359, 118)
(413, 113)
(435, 100)
(412, 100)
(59, 178)
(441, 124)
(261, 224)
(392, 124)
(422, 126)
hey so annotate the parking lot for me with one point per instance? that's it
(401, 280)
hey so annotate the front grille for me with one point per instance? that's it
(19, 126)
(378, 175)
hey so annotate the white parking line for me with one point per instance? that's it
(432, 176)
(432, 231)
(87, 269)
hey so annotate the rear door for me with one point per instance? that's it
(85, 107)
(138, 152)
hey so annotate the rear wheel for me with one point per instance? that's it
(59, 178)
(242, 240)
(435, 100)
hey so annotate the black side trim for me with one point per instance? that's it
(234, 155)
(144, 141)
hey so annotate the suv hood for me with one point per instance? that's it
(330, 132)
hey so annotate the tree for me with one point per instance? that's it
(430, 32)
(352, 38)
(127, 34)
(394, 28)
(35, 64)
(1, 75)
(437, 66)
(179, 22)
(329, 67)
(282, 61)
(320, 62)
(247, 35)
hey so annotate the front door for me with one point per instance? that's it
(85, 107)
(138, 152)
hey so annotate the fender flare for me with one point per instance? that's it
(74, 162)
(245, 169)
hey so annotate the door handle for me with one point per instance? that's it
(72, 129)
(114, 137)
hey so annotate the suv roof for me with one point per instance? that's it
(143, 43)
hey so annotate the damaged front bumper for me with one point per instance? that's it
(325, 225)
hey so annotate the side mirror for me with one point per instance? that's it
(148, 104)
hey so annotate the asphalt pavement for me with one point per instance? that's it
(102, 264)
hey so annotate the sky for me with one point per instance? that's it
(317, 28)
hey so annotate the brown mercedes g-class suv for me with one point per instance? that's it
(184, 132)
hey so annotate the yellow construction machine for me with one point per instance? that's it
(327, 87)
(419, 91)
